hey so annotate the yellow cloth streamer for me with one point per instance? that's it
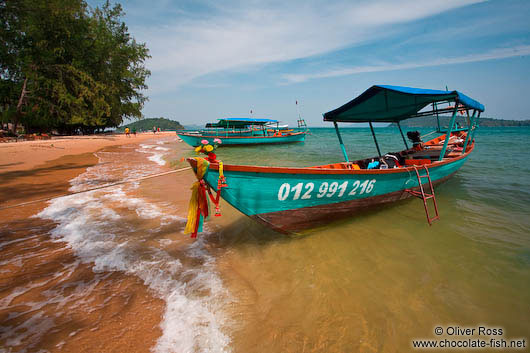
(202, 167)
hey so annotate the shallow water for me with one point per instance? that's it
(378, 280)
(370, 283)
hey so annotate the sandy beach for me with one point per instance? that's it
(32, 170)
(25, 155)
(35, 170)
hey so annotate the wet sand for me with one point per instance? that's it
(119, 313)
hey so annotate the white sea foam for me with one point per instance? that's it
(142, 208)
(92, 225)
(106, 172)
(156, 156)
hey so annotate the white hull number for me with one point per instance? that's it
(305, 191)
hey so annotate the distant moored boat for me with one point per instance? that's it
(244, 131)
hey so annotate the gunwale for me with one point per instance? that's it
(313, 170)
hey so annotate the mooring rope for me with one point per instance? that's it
(96, 188)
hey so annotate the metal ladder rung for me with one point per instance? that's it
(417, 193)
(425, 196)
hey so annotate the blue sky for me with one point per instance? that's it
(213, 59)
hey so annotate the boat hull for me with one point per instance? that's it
(292, 221)
(293, 199)
(222, 134)
(195, 140)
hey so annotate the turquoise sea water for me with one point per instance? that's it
(379, 279)
(492, 188)
(373, 282)
(497, 174)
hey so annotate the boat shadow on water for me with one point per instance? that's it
(244, 231)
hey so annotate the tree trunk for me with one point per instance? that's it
(18, 114)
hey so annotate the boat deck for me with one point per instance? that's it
(428, 153)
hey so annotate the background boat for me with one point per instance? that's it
(251, 132)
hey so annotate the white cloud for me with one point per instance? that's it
(500, 53)
(235, 37)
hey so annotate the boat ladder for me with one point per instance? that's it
(425, 196)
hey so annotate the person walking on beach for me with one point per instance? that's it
(134, 131)
(127, 132)
(154, 129)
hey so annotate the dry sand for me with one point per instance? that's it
(16, 156)
(33, 170)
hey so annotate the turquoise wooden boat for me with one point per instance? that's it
(252, 131)
(195, 140)
(291, 199)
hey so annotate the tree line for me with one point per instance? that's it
(67, 67)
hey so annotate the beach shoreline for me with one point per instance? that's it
(46, 172)
(24, 155)
(33, 170)
(84, 271)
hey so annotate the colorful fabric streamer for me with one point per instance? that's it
(199, 205)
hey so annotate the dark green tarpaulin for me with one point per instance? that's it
(395, 103)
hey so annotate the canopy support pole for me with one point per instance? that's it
(435, 108)
(341, 143)
(471, 128)
(448, 133)
(476, 126)
(402, 136)
(375, 139)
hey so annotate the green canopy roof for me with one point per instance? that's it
(394, 103)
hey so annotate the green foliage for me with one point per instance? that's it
(147, 125)
(82, 68)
